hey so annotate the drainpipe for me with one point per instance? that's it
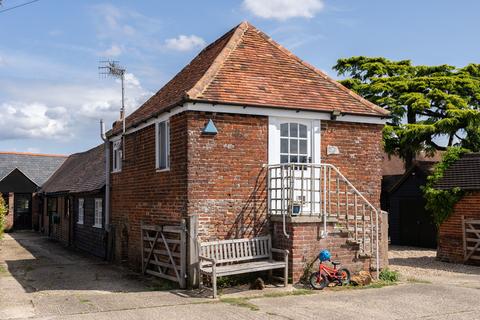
(107, 175)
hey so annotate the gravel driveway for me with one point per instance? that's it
(417, 264)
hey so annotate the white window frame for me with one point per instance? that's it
(274, 149)
(98, 216)
(81, 211)
(117, 155)
(158, 146)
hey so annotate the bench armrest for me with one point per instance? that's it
(284, 251)
(208, 259)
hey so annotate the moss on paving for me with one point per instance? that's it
(240, 302)
(416, 280)
(3, 270)
(245, 301)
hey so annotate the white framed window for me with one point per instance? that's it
(294, 143)
(98, 213)
(81, 210)
(117, 156)
(162, 145)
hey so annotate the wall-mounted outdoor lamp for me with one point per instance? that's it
(210, 128)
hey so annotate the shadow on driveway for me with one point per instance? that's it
(39, 264)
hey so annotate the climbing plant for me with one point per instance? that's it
(3, 212)
(441, 202)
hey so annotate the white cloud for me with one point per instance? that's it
(113, 51)
(283, 9)
(32, 120)
(64, 111)
(185, 43)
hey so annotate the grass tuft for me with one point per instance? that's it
(388, 275)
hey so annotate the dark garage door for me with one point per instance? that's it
(416, 225)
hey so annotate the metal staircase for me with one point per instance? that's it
(321, 190)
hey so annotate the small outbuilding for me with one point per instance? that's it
(74, 202)
(459, 234)
(21, 175)
(409, 223)
(249, 141)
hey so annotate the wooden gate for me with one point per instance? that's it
(164, 251)
(471, 239)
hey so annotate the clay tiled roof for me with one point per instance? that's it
(246, 67)
(464, 173)
(81, 172)
(36, 167)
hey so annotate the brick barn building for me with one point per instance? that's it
(248, 140)
(459, 235)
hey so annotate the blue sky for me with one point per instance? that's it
(51, 96)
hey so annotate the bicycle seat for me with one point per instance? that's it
(335, 263)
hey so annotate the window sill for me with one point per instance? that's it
(116, 171)
(162, 170)
(78, 222)
(97, 226)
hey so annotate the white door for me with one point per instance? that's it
(296, 141)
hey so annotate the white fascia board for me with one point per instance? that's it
(278, 112)
(257, 111)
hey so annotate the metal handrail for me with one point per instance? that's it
(287, 192)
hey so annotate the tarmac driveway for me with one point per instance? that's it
(40, 279)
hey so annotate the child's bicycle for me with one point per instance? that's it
(325, 275)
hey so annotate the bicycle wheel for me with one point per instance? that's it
(318, 281)
(343, 276)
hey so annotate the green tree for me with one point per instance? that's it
(432, 107)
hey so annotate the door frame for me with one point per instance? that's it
(23, 226)
(274, 137)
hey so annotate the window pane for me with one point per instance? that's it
(293, 146)
(303, 131)
(283, 159)
(284, 130)
(284, 145)
(303, 159)
(293, 159)
(162, 159)
(293, 129)
(303, 147)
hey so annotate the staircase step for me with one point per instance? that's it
(364, 255)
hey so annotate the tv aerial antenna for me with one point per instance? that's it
(112, 69)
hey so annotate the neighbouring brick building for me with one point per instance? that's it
(21, 175)
(458, 242)
(74, 202)
(205, 147)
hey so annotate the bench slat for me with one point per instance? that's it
(237, 249)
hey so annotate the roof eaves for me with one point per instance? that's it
(243, 104)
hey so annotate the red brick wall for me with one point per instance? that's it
(221, 180)
(450, 237)
(140, 193)
(226, 178)
(305, 244)
(360, 158)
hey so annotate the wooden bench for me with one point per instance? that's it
(236, 256)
